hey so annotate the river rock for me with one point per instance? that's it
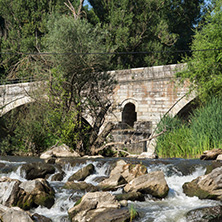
(37, 193)
(219, 157)
(205, 214)
(14, 214)
(9, 191)
(80, 186)
(213, 166)
(122, 174)
(58, 176)
(40, 218)
(59, 151)
(131, 171)
(37, 170)
(26, 194)
(133, 196)
(152, 183)
(211, 154)
(91, 205)
(110, 215)
(208, 186)
(81, 174)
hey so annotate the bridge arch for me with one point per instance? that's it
(14, 104)
(181, 104)
(129, 112)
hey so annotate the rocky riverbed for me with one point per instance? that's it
(109, 189)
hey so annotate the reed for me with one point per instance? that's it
(190, 139)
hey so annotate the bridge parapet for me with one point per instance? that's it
(147, 73)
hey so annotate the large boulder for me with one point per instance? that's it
(9, 191)
(211, 154)
(122, 174)
(208, 186)
(133, 196)
(37, 170)
(59, 151)
(153, 183)
(40, 218)
(81, 174)
(131, 171)
(205, 214)
(36, 193)
(80, 186)
(14, 214)
(92, 205)
(26, 194)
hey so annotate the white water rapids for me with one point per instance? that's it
(170, 209)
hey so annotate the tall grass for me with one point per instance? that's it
(206, 126)
(190, 139)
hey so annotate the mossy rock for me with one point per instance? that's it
(192, 189)
(43, 199)
(133, 196)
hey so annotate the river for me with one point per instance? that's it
(170, 209)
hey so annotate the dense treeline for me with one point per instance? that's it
(57, 41)
(160, 26)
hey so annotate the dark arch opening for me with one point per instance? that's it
(129, 115)
(188, 109)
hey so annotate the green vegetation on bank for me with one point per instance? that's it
(188, 139)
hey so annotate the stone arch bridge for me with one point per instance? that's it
(141, 97)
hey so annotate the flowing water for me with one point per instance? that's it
(170, 209)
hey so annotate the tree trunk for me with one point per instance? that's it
(101, 138)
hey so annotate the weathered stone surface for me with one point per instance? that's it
(15, 214)
(82, 186)
(206, 187)
(131, 171)
(219, 157)
(211, 154)
(205, 214)
(60, 151)
(122, 174)
(37, 170)
(152, 183)
(40, 218)
(38, 191)
(9, 191)
(213, 166)
(27, 194)
(109, 215)
(81, 174)
(133, 196)
(99, 201)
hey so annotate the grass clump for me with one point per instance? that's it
(188, 139)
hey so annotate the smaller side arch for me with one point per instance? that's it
(180, 104)
(15, 103)
(131, 100)
(129, 113)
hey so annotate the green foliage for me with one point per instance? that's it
(189, 140)
(150, 25)
(206, 125)
(133, 213)
(22, 26)
(204, 68)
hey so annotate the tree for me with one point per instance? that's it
(79, 83)
(159, 27)
(204, 67)
(22, 26)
